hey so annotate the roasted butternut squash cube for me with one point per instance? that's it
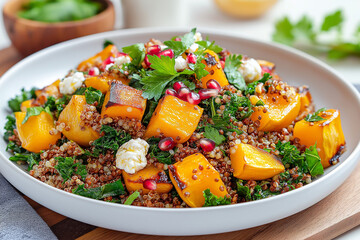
(192, 176)
(34, 134)
(27, 104)
(51, 90)
(102, 82)
(135, 181)
(97, 59)
(306, 98)
(174, 118)
(252, 163)
(327, 134)
(213, 66)
(123, 101)
(79, 132)
(278, 112)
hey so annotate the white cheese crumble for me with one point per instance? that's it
(197, 37)
(250, 69)
(180, 64)
(193, 47)
(131, 156)
(119, 61)
(71, 83)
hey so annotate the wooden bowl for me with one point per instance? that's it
(29, 36)
(245, 9)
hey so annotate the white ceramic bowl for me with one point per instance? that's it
(327, 88)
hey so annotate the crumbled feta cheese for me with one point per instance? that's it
(193, 47)
(180, 63)
(71, 83)
(197, 37)
(121, 60)
(131, 156)
(250, 69)
(107, 67)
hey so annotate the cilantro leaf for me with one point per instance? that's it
(313, 161)
(189, 38)
(305, 28)
(31, 158)
(132, 198)
(284, 31)
(213, 134)
(136, 52)
(66, 167)
(232, 64)
(15, 102)
(35, 111)
(107, 190)
(212, 200)
(332, 20)
(315, 116)
(210, 46)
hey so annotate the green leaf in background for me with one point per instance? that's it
(305, 27)
(132, 198)
(332, 20)
(284, 32)
(59, 10)
(213, 134)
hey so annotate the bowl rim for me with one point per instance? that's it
(109, 9)
(175, 31)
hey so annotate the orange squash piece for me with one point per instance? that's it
(135, 181)
(192, 176)
(109, 51)
(266, 66)
(51, 90)
(279, 113)
(252, 163)
(102, 82)
(174, 118)
(327, 134)
(27, 104)
(123, 101)
(78, 132)
(213, 66)
(34, 134)
(306, 99)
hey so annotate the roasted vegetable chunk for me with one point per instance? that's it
(252, 163)
(51, 90)
(194, 175)
(174, 118)
(278, 112)
(327, 134)
(306, 98)
(35, 134)
(109, 51)
(149, 178)
(214, 68)
(102, 82)
(123, 101)
(78, 131)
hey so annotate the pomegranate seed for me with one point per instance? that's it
(119, 54)
(208, 93)
(207, 145)
(222, 64)
(213, 84)
(146, 60)
(166, 144)
(177, 39)
(167, 52)
(171, 92)
(191, 58)
(266, 70)
(193, 98)
(183, 93)
(153, 50)
(149, 184)
(178, 85)
(107, 61)
(94, 71)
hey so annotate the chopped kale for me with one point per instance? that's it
(155, 152)
(31, 158)
(67, 167)
(212, 200)
(107, 190)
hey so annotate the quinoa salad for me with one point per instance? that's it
(173, 124)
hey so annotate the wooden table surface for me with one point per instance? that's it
(336, 214)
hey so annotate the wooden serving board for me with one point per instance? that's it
(336, 214)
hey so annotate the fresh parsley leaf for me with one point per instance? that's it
(155, 152)
(189, 38)
(313, 161)
(212, 200)
(15, 102)
(93, 95)
(132, 198)
(136, 52)
(213, 134)
(107, 43)
(67, 167)
(31, 158)
(332, 20)
(35, 111)
(210, 46)
(232, 64)
(315, 116)
(179, 47)
(305, 28)
(107, 190)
